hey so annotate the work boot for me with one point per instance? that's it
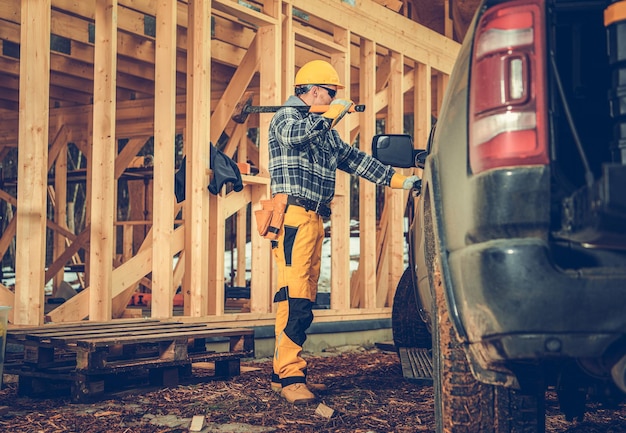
(297, 393)
(277, 387)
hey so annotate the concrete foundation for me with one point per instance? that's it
(322, 336)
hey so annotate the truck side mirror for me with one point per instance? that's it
(397, 150)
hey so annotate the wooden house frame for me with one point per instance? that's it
(117, 82)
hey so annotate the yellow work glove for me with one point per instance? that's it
(338, 108)
(399, 181)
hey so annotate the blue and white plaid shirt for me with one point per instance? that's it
(305, 154)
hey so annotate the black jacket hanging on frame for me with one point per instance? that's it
(224, 170)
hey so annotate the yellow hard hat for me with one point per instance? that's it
(318, 72)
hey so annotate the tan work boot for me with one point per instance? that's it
(277, 387)
(297, 393)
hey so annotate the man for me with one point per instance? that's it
(305, 152)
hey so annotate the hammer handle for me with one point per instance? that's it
(302, 108)
(324, 108)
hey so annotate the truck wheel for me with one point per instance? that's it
(409, 330)
(464, 405)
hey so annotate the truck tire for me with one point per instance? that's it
(464, 405)
(409, 330)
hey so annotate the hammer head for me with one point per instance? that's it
(241, 111)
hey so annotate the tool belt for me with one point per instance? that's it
(322, 209)
(269, 219)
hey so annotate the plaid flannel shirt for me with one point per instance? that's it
(305, 154)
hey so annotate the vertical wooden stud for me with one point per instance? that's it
(270, 94)
(196, 211)
(164, 138)
(103, 161)
(422, 101)
(396, 198)
(289, 52)
(60, 208)
(32, 162)
(367, 190)
(340, 218)
(241, 219)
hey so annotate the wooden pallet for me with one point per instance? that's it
(91, 359)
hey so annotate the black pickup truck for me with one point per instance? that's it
(517, 276)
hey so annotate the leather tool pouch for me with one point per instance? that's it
(269, 219)
(263, 216)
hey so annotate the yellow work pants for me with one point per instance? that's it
(297, 252)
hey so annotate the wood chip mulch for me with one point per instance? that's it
(366, 392)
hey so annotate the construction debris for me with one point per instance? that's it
(197, 423)
(324, 411)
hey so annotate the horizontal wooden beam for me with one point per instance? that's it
(387, 28)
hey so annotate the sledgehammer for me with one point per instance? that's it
(242, 109)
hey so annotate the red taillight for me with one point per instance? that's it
(507, 89)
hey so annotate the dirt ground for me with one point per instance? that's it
(366, 390)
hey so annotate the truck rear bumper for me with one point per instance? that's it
(516, 305)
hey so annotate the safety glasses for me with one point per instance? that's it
(331, 92)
